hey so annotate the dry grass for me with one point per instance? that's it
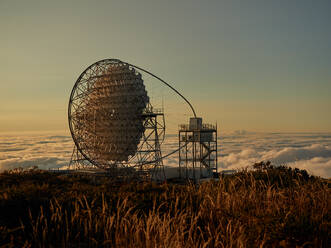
(265, 208)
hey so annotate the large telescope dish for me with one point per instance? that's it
(107, 114)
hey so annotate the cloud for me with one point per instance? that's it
(240, 132)
(305, 151)
(42, 163)
(44, 151)
(290, 154)
(318, 166)
(316, 158)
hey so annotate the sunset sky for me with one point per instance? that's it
(249, 65)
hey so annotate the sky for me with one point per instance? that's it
(249, 65)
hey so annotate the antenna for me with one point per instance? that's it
(113, 123)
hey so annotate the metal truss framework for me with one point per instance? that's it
(112, 123)
(198, 151)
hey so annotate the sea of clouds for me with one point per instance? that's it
(240, 149)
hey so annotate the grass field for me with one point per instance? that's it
(267, 207)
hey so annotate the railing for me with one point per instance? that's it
(186, 127)
(153, 111)
(208, 126)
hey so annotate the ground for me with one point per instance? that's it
(266, 207)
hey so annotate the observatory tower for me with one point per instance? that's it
(117, 129)
(198, 149)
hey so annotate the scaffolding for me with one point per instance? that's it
(198, 150)
(149, 157)
(147, 162)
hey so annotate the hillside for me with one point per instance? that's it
(267, 207)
